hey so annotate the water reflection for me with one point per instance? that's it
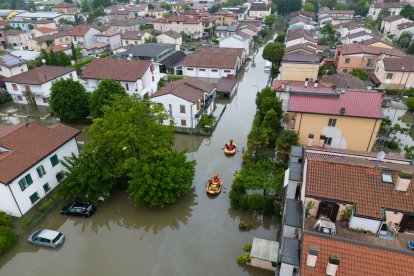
(254, 221)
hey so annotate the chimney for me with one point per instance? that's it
(403, 181)
(322, 140)
(312, 256)
(315, 84)
(283, 85)
(332, 266)
(306, 82)
(342, 111)
(310, 139)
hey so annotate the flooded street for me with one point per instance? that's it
(196, 236)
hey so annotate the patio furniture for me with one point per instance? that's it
(325, 223)
(411, 245)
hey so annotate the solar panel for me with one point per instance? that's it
(10, 60)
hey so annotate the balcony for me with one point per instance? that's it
(206, 104)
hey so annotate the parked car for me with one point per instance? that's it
(47, 238)
(81, 209)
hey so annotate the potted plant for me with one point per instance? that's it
(333, 259)
(309, 206)
(345, 215)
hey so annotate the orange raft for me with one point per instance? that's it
(214, 185)
(230, 148)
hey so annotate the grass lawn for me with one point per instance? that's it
(408, 118)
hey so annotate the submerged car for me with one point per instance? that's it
(81, 209)
(47, 238)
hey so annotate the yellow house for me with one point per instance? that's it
(395, 73)
(375, 42)
(299, 67)
(9, 14)
(344, 119)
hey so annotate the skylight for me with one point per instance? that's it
(386, 177)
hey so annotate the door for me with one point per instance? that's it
(407, 223)
(328, 210)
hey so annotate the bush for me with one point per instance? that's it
(238, 197)
(393, 145)
(243, 259)
(172, 77)
(247, 247)
(247, 157)
(81, 63)
(5, 219)
(256, 203)
(8, 239)
(410, 104)
(277, 209)
(268, 208)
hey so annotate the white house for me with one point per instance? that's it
(29, 163)
(134, 38)
(171, 37)
(11, 65)
(180, 23)
(208, 62)
(259, 10)
(136, 76)
(37, 16)
(34, 86)
(357, 37)
(113, 38)
(350, 28)
(83, 35)
(95, 49)
(235, 41)
(17, 39)
(404, 27)
(186, 101)
(394, 8)
(389, 24)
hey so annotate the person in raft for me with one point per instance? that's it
(230, 145)
(216, 178)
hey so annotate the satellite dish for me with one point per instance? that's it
(130, 55)
(380, 156)
(43, 61)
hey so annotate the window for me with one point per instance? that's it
(54, 160)
(370, 63)
(182, 108)
(70, 75)
(14, 86)
(25, 182)
(183, 122)
(377, 69)
(332, 122)
(202, 70)
(328, 141)
(34, 197)
(214, 70)
(60, 176)
(126, 86)
(389, 76)
(345, 71)
(45, 100)
(190, 69)
(20, 98)
(46, 187)
(347, 60)
(41, 171)
(226, 71)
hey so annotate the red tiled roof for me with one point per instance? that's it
(116, 69)
(357, 103)
(226, 84)
(108, 33)
(355, 259)
(46, 30)
(27, 145)
(41, 74)
(402, 64)
(57, 48)
(79, 30)
(210, 57)
(358, 181)
(358, 48)
(65, 5)
(190, 89)
(97, 45)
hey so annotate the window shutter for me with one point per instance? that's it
(22, 184)
(54, 160)
(29, 179)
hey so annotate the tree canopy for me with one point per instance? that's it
(104, 95)
(408, 12)
(69, 100)
(270, 20)
(360, 73)
(309, 7)
(274, 52)
(404, 40)
(288, 6)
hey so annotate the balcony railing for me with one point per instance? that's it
(206, 104)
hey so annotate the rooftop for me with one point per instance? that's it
(209, 57)
(108, 33)
(151, 50)
(281, 85)
(344, 81)
(402, 64)
(97, 45)
(351, 49)
(389, 5)
(226, 84)
(40, 74)
(65, 5)
(172, 34)
(116, 69)
(79, 30)
(393, 18)
(353, 102)
(28, 143)
(132, 35)
(11, 61)
(298, 58)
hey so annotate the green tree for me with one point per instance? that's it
(410, 104)
(341, 6)
(274, 52)
(214, 8)
(101, 3)
(8, 239)
(53, 60)
(85, 5)
(166, 14)
(162, 179)
(309, 7)
(266, 100)
(258, 139)
(288, 6)
(270, 20)
(382, 14)
(73, 49)
(410, 49)
(88, 177)
(69, 100)
(404, 40)
(327, 3)
(286, 140)
(408, 12)
(280, 38)
(63, 59)
(360, 73)
(165, 6)
(103, 95)
(409, 152)
(151, 39)
(31, 6)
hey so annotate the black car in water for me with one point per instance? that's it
(81, 209)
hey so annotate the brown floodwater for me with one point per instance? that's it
(196, 236)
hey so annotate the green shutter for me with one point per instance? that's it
(46, 187)
(39, 171)
(29, 179)
(34, 197)
(54, 160)
(22, 184)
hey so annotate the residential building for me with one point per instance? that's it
(113, 38)
(305, 49)
(226, 17)
(299, 67)
(65, 8)
(96, 48)
(350, 28)
(259, 10)
(139, 77)
(134, 37)
(328, 117)
(304, 14)
(344, 81)
(357, 37)
(300, 36)
(235, 41)
(2, 38)
(53, 16)
(241, 11)
(43, 31)
(33, 86)
(157, 12)
(45, 41)
(375, 42)
(171, 37)
(139, 11)
(83, 35)
(209, 62)
(64, 48)
(123, 13)
(404, 27)
(348, 57)
(335, 17)
(8, 15)
(17, 39)
(394, 8)
(27, 25)
(390, 23)
(226, 31)
(11, 65)
(301, 23)
(123, 26)
(352, 213)
(395, 73)
(186, 101)
(149, 51)
(180, 23)
(30, 166)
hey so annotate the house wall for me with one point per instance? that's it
(123, 29)
(314, 211)
(113, 41)
(356, 61)
(41, 92)
(391, 27)
(374, 12)
(231, 42)
(262, 264)
(162, 38)
(301, 40)
(8, 72)
(259, 14)
(399, 80)
(17, 40)
(399, 32)
(392, 217)
(343, 134)
(22, 197)
(365, 224)
(213, 73)
(297, 71)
